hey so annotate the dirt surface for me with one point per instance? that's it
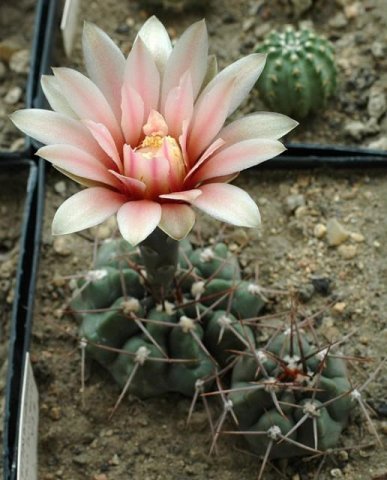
(149, 440)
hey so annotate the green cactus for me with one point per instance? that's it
(293, 395)
(167, 345)
(300, 72)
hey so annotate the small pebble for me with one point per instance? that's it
(336, 473)
(61, 246)
(383, 427)
(100, 476)
(347, 251)
(343, 455)
(114, 460)
(377, 49)
(55, 413)
(357, 237)
(13, 95)
(19, 61)
(319, 230)
(294, 201)
(339, 307)
(60, 187)
(336, 233)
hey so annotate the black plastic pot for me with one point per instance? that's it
(21, 321)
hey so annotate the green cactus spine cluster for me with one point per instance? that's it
(300, 72)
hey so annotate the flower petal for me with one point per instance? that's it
(189, 54)
(246, 72)
(228, 203)
(209, 116)
(86, 209)
(206, 154)
(53, 127)
(54, 96)
(105, 140)
(87, 100)
(133, 186)
(269, 125)
(179, 105)
(104, 63)
(186, 196)
(132, 120)
(137, 219)
(238, 157)
(77, 162)
(157, 41)
(176, 220)
(142, 74)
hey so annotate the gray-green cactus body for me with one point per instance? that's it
(242, 298)
(291, 386)
(216, 262)
(300, 72)
(225, 336)
(171, 345)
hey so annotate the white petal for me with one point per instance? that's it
(185, 196)
(189, 54)
(54, 96)
(228, 203)
(104, 63)
(53, 127)
(86, 209)
(156, 39)
(267, 125)
(177, 220)
(246, 72)
(137, 219)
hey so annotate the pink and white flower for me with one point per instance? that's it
(146, 134)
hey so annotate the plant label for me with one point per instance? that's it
(27, 458)
(68, 24)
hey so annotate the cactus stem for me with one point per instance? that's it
(160, 254)
(150, 337)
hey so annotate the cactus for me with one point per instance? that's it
(170, 344)
(300, 73)
(291, 398)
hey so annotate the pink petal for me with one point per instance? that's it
(155, 125)
(238, 157)
(246, 72)
(104, 63)
(209, 116)
(54, 96)
(87, 100)
(105, 140)
(152, 171)
(179, 105)
(189, 54)
(138, 219)
(210, 151)
(157, 41)
(176, 220)
(86, 209)
(132, 119)
(183, 138)
(52, 127)
(269, 125)
(186, 196)
(78, 163)
(142, 74)
(228, 204)
(134, 187)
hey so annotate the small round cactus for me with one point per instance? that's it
(300, 73)
(291, 398)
